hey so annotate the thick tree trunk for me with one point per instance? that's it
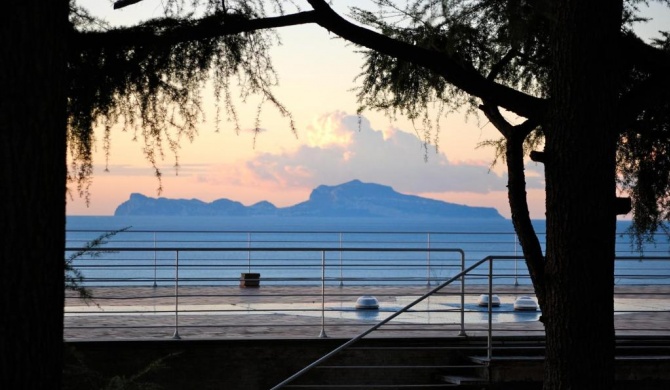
(32, 200)
(580, 178)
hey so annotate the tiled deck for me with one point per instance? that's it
(295, 312)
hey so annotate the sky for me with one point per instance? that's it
(332, 145)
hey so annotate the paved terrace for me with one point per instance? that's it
(131, 313)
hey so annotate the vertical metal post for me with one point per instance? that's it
(323, 334)
(428, 260)
(175, 336)
(341, 277)
(155, 285)
(249, 252)
(489, 346)
(462, 332)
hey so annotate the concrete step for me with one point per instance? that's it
(377, 364)
(504, 369)
(374, 387)
(365, 376)
(464, 380)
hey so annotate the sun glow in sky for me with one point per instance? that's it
(332, 144)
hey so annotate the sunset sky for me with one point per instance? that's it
(317, 75)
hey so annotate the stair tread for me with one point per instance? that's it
(358, 386)
(388, 366)
(522, 358)
(463, 380)
(484, 359)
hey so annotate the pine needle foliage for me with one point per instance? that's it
(74, 279)
(148, 79)
(499, 38)
(506, 41)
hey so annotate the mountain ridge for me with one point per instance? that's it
(350, 199)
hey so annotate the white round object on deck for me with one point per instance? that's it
(525, 303)
(484, 300)
(367, 302)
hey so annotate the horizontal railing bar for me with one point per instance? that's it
(273, 249)
(309, 232)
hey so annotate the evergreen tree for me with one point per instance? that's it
(33, 120)
(578, 79)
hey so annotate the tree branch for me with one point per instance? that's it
(173, 31)
(518, 201)
(124, 3)
(465, 78)
(508, 130)
(500, 65)
(516, 192)
(643, 56)
(655, 89)
(493, 114)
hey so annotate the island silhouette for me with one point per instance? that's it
(350, 199)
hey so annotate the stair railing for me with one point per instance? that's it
(459, 276)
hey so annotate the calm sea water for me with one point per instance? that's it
(477, 238)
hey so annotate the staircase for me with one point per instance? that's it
(390, 363)
(642, 362)
(448, 363)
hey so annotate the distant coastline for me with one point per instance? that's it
(351, 199)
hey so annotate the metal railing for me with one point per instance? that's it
(477, 244)
(208, 292)
(391, 272)
(662, 308)
(201, 284)
(305, 284)
(142, 292)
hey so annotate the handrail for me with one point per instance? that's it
(383, 322)
(464, 272)
(266, 249)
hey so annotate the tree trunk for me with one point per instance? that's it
(523, 226)
(32, 200)
(580, 179)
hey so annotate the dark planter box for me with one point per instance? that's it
(248, 279)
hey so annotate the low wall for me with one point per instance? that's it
(192, 364)
(244, 364)
(250, 364)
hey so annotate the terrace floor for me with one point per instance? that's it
(127, 313)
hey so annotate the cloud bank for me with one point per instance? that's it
(340, 147)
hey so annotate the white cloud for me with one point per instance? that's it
(327, 132)
(344, 147)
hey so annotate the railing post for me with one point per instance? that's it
(176, 336)
(341, 277)
(155, 285)
(428, 260)
(489, 346)
(462, 332)
(323, 334)
(249, 252)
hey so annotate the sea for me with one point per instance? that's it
(150, 250)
